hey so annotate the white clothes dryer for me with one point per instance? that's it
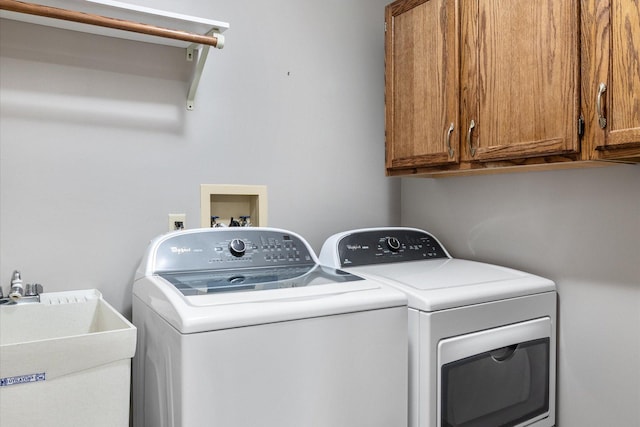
(240, 327)
(482, 338)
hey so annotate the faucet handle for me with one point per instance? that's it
(17, 289)
(32, 289)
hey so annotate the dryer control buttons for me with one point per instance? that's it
(393, 244)
(237, 247)
(380, 246)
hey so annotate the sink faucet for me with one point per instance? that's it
(17, 290)
(19, 293)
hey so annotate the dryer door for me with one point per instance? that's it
(496, 377)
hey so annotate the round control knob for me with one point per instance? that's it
(393, 243)
(237, 247)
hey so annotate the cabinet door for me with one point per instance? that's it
(520, 75)
(421, 84)
(617, 89)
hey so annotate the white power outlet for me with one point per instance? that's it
(177, 221)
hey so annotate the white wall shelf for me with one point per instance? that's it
(127, 21)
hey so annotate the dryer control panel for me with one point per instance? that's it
(388, 245)
(230, 248)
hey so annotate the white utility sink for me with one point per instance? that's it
(65, 361)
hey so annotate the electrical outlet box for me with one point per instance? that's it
(233, 201)
(177, 222)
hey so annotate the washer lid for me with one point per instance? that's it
(440, 284)
(194, 306)
(201, 283)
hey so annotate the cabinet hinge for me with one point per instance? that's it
(385, 26)
(580, 126)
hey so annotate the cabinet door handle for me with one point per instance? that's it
(472, 149)
(448, 140)
(602, 120)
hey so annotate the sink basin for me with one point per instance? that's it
(65, 361)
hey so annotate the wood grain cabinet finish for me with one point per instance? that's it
(422, 85)
(503, 74)
(520, 70)
(611, 78)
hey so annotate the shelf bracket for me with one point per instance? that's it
(199, 52)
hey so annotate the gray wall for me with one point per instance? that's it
(97, 147)
(580, 228)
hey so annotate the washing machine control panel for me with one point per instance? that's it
(388, 246)
(233, 247)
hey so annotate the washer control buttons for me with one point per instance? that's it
(237, 247)
(393, 244)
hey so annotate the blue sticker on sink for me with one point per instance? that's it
(21, 379)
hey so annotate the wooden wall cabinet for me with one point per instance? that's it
(611, 78)
(519, 76)
(491, 85)
(421, 84)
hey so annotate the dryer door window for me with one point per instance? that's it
(498, 377)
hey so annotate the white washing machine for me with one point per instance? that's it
(482, 338)
(240, 327)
